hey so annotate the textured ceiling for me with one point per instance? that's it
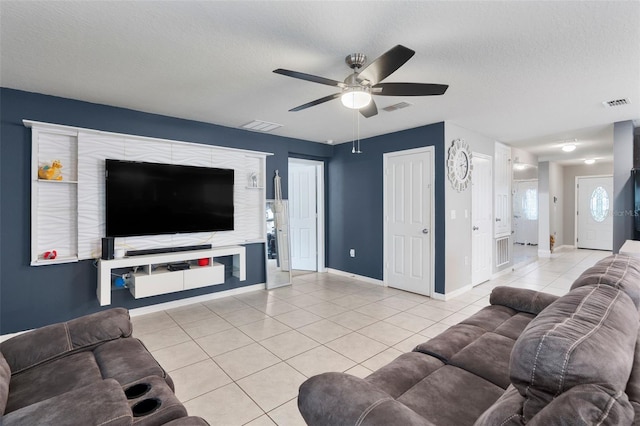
(526, 73)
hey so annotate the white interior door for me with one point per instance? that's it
(303, 215)
(594, 218)
(481, 218)
(408, 234)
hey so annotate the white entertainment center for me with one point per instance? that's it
(152, 276)
(68, 215)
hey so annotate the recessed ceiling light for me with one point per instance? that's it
(589, 161)
(569, 147)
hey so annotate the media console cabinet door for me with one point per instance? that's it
(204, 276)
(145, 285)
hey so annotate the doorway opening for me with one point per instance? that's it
(306, 214)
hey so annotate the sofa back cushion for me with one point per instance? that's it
(618, 271)
(581, 405)
(587, 336)
(5, 377)
(48, 343)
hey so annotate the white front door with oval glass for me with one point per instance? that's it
(594, 215)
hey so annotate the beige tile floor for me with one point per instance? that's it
(240, 360)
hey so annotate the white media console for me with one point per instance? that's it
(152, 276)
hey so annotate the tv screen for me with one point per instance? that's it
(152, 198)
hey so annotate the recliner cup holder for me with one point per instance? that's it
(136, 391)
(146, 406)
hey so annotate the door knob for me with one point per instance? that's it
(425, 231)
(475, 228)
(498, 219)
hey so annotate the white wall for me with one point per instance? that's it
(458, 230)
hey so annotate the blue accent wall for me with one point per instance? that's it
(36, 296)
(355, 204)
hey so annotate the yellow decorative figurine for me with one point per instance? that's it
(51, 172)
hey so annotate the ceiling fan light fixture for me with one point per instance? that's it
(355, 98)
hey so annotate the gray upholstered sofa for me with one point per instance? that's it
(88, 371)
(528, 358)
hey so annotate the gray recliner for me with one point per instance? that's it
(87, 371)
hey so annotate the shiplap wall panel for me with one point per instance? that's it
(93, 149)
(60, 147)
(57, 227)
(71, 217)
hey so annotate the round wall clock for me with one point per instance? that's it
(459, 165)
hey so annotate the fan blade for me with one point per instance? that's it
(309, 77)
(370, 110)
(409, 89)
(383, 66)
(317, 102)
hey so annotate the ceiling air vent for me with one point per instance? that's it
(261, 126)
(397, 106)
(616, 102)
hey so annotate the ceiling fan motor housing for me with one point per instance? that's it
(355, 60)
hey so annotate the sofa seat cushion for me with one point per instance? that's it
(52, 379)
(403, 373)
(491, 317)
(127, 360)
(573, 342)
(487, 357)
(451, 396)
(101, 403)
(451, 341)
(514, 326)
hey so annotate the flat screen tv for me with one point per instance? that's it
(152, 198)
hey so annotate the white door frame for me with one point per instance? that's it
(575, 205)
(385, 156)
(491, 233)
(320, 237)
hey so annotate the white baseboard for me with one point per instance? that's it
(196, 299)
(452, 294)
(544, 253)
(355, 276)
(170, 305)
(502, 272)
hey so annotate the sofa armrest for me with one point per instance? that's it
(520, 299)
(101, 403)
(53, 341)
(339, 398)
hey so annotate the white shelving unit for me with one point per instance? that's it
(153, 278)
(54, 219)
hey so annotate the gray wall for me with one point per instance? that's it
(623, 221)
(556, 197)
(569, 186)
